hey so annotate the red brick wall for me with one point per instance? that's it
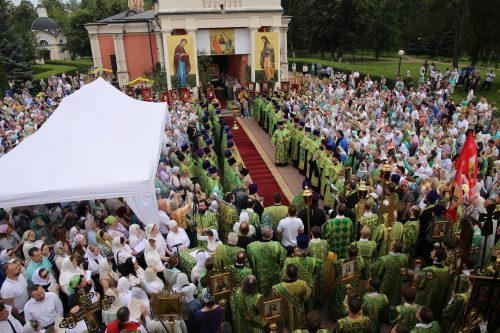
(107, 49)
(138, 53)
(236, 66)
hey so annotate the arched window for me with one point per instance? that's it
(44, 42)
(61, 41)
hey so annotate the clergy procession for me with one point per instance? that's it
(396, 224)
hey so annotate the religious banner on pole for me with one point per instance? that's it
(222, 41)
(182, 64)
(465, 177)
(267, 52)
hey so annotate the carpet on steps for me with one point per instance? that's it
(260, 173)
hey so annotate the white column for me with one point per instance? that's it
(277, 29)
(284, 52)
(159, 49)
(164, 34)
(192, 32)
(252, 53)
(96, 50)
(121, 60)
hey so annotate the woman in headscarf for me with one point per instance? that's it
(62, 249)
(109, 289)
(136, 236)
(46, 252)
(80, 245)
(93, 257)
(152, 257)
(181, 282)
(42, 277)
(201, 257)
(29, 238)
(98, 208)
(121, 250)
(152, 232)
(176, 236)
(38, 225)
(7, 255)
(69, 269)
(191, 306)
(212, 239)
(122, 323)
(124, 293)
(115, 228)
(152, 282)
(104, 243)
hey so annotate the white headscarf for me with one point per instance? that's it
(93, 259)
(123, 250)
(182, 280)
(152, 257)
(37, 279)
(124, 290)
(4, 256)
(161, 244)
(67, 272)
(136, 235)
(152, 282)
(201, 257)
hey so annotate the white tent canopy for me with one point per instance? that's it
(99, 143)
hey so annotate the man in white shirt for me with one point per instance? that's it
(8, 324)
(15, 287)
(290, 227)
(45, 307)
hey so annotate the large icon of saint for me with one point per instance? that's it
(182, 66)
(267, 59)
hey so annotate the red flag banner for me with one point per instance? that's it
(466, 174)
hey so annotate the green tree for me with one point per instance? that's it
(77, 39)
(3, 78)
(12, 52)
(23, 15)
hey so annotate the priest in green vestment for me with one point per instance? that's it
(281, 141)
(303, 150)
(406, 314)
(204, 219)
(368, 218)
(355, 322)
(336, 306)
(297, 137)
(309, 269)
(213, 183)
(266, 258)
(297, 293)
(411, 230)
(245, 304)
(228, 215)
(225, 254)
(425, 322)
(367, 249)
(313, 324)
(454, 311)
(240, 269)
(339, 232)
(375, 305)
(384, 234)
(277, 211)
(334, 183)
(432, 290)
(388, 269)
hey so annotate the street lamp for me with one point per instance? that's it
(400, 53)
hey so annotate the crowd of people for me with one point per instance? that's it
(363, 148)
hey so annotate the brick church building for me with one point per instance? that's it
(141, 40)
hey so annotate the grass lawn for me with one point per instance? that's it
(47, 70)
(389, 69)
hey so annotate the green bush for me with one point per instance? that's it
(47, 70)
(82, 65)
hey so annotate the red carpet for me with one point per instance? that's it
(260, 173)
